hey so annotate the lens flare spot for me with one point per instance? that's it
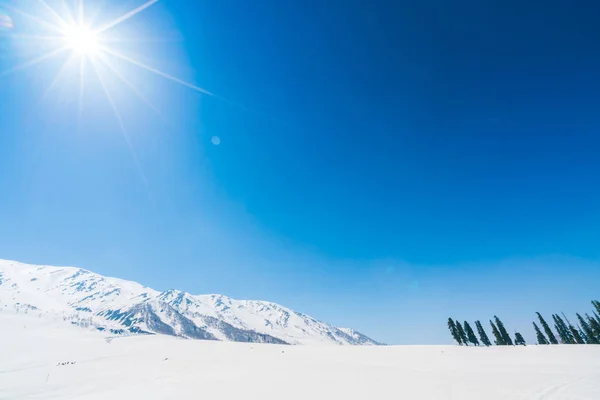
(216, 140)
(6, 22)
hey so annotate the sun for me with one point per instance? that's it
(88, 50)
(82, 40)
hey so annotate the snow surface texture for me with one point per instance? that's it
(119, 307)
(43, 359)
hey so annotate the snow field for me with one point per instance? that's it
(163, 367)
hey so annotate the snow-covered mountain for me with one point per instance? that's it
(125, 307)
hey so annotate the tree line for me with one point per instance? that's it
(586, 331)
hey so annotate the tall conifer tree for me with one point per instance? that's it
(563, 330)
(540, 336)
(498, 337)
(482, 335)
(576, 335)
(503, 332)
(462, 334)
(559, 330)
(454, 331)
(470, 334)
(549, 333)
(590, 338)
(595, 325)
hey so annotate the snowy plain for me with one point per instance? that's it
(165, 367)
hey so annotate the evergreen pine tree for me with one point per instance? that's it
(482, 335)
(590, 338)
(462, 334)
(576, 335)
(505, 336)
(540, 336)
(470, 334)
(454, 331)
(577, 338)
(558, 329)
(498, 337)
(595, 325)
(563, 330)
(519, 339)
(549, 333)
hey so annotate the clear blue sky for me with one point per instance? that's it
(382, 164)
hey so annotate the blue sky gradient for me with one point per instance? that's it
(381, 166)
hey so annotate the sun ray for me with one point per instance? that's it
(196, 88)
(95, 48)
(93, 13)
(160, 73)
(80, 13)
(126, 16)
(69, 14)
(122, 127)
(62, 22)
(130, 85)
(35, 61)
(39, 20)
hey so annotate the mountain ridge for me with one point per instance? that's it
(118, 306)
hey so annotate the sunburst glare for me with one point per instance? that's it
(69, 33)
(88, 50)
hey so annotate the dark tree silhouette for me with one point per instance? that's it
(540, 336)
(470, 334)
(589, 338)
(595, 325)
(576, 335)
(462, 334)
(577, 338)
(498, 337)
(559, 329)
(485, 340)
(565, 334)
(586, 331)
(503, 332)
(519, 339)
(454, 331)
(549, 333)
